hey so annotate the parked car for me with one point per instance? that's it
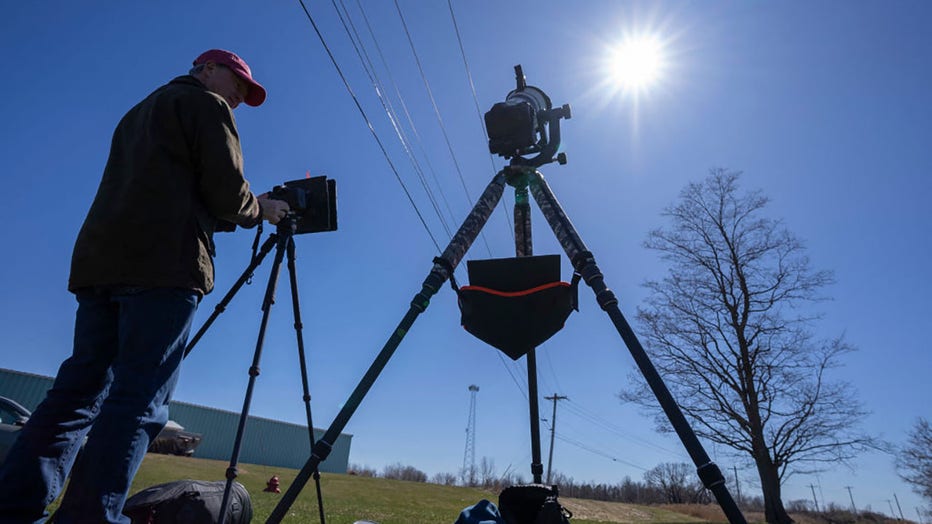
(174, 440)
(12, 418)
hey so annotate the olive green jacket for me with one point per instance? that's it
(175, 169)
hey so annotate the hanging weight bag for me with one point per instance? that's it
(516, 304)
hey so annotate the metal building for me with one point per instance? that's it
(266, 442)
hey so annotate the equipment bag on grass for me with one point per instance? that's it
(483, 512)
(188, 502)
(532, 504)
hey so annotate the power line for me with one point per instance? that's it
(472, 86)
(576, 409)
(369, 68)
(433, 102)
(519, 383)
(404, 107)
(475, 98)
(553, 373)
(595, 451)
(368, 123)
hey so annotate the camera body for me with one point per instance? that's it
(526, 123)
(513, 125)
(312, 200)
(512, 128)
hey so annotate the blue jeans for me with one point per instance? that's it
(114, 389)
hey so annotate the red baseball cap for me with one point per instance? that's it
(256, 94)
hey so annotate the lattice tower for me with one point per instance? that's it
(469, 455)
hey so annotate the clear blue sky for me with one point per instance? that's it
(825, 106)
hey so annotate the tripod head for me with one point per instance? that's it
(524, 124)
(288, 226)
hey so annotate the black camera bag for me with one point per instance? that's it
(188, 502)
(532, 504)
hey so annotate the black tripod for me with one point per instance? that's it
(524, 178)
(283, 240)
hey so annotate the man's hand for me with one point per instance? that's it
(272, 210)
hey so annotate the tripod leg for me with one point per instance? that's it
(585, 265)
(254, 369)
(524, 247)
(537, 468)
(298, 327)
(443, 268)
(236, 287)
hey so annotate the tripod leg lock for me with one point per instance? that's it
(321, 450)
(432, 284)
(585, 266)
(421, 301)
(710, 475)
(537, 469)
(444, 263)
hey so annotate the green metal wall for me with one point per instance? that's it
(25, 388)
(266, 442)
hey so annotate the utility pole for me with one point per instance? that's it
(892, 513)
(814, 499)
(899, 507)
(854, 508)
(737, 485)
(553, 429)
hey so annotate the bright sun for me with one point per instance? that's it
(636, 63)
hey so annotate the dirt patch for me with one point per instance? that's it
(605, 511)
(708, 512)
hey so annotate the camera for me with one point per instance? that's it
(513, 125)
(524, 124)
(312, 200)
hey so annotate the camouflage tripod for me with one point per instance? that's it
(523, 178)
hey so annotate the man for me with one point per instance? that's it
(141, 263)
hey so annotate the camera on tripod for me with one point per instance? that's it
(312, 200)
(519, 125)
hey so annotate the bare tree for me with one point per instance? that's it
(914, 459)
(486, 473)
(361, 471)
(399, 471)
(729, 329)
(677, 482)
(444, 479)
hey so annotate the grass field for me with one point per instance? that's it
(349, 498)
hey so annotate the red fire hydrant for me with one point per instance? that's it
(272, 485)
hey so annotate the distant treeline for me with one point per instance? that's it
(669, 483)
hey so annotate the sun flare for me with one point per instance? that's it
(636, 63)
